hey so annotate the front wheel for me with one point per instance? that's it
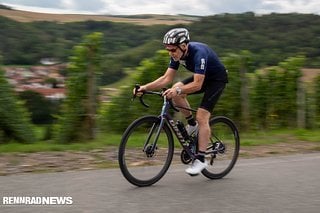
(146, 151)
(223, 150)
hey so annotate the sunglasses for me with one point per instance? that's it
(172, 50)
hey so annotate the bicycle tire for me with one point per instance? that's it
(222, 129)
(142, 167)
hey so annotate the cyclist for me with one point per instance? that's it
(209, 78)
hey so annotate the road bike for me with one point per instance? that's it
(147, 145)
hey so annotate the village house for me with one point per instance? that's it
(45, 80)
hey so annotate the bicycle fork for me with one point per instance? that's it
(148, 147)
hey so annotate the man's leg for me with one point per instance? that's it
(181, 100)
(203, 138)
(210, 98)
(203, 117)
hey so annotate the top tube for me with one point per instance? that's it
(174, 107)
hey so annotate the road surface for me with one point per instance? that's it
(272, 184)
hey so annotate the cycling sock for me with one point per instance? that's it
(200, 156)
(191, 121)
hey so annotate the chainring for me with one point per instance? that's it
(185, 157)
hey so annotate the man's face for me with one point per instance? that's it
(174, 51)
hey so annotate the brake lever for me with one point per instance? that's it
(136, 87)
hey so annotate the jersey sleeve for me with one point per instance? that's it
(200, 64)
(174, 64)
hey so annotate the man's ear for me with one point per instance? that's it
(183, 46)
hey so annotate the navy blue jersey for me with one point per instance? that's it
(201, 59)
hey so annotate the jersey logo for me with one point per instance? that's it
(203, 63)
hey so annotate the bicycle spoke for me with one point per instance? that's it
(223, 150)
(146, 151)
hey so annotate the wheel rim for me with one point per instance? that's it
(225, 144)
(145, 165)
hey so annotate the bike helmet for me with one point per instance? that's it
(176, 36)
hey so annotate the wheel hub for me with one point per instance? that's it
(219, 147)
(150, 151)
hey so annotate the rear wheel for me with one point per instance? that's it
(145, 151)
(223, 150)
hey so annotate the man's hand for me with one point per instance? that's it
(139, 91)
(170, 93)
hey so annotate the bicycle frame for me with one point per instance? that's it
(165, 117)
(160, 153)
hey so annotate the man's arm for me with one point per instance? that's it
(186, 89)
(161, 81)
(194, 86)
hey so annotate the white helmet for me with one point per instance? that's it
(176, 36)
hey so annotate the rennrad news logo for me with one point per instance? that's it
(27, 200)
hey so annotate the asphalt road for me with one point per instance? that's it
(274, 184)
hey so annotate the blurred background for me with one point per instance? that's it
(66, 79)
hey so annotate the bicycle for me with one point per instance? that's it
(147, 145)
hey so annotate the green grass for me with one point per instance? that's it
(103, 140)
(254, 138)
(306, 135)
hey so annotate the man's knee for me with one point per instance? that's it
(178, 84)
(203, 116)
(179, 99)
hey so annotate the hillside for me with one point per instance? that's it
(130, 39)
(24, 16)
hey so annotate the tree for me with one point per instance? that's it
(235, 99)
(41, 109)
(230, 101)
(317, 99)
(5, 7)
(14, 118)
(53, 81)
(118, 114)
(77, 121)
(275, 96)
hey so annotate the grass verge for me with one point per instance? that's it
(247, 139)
(103, 140)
